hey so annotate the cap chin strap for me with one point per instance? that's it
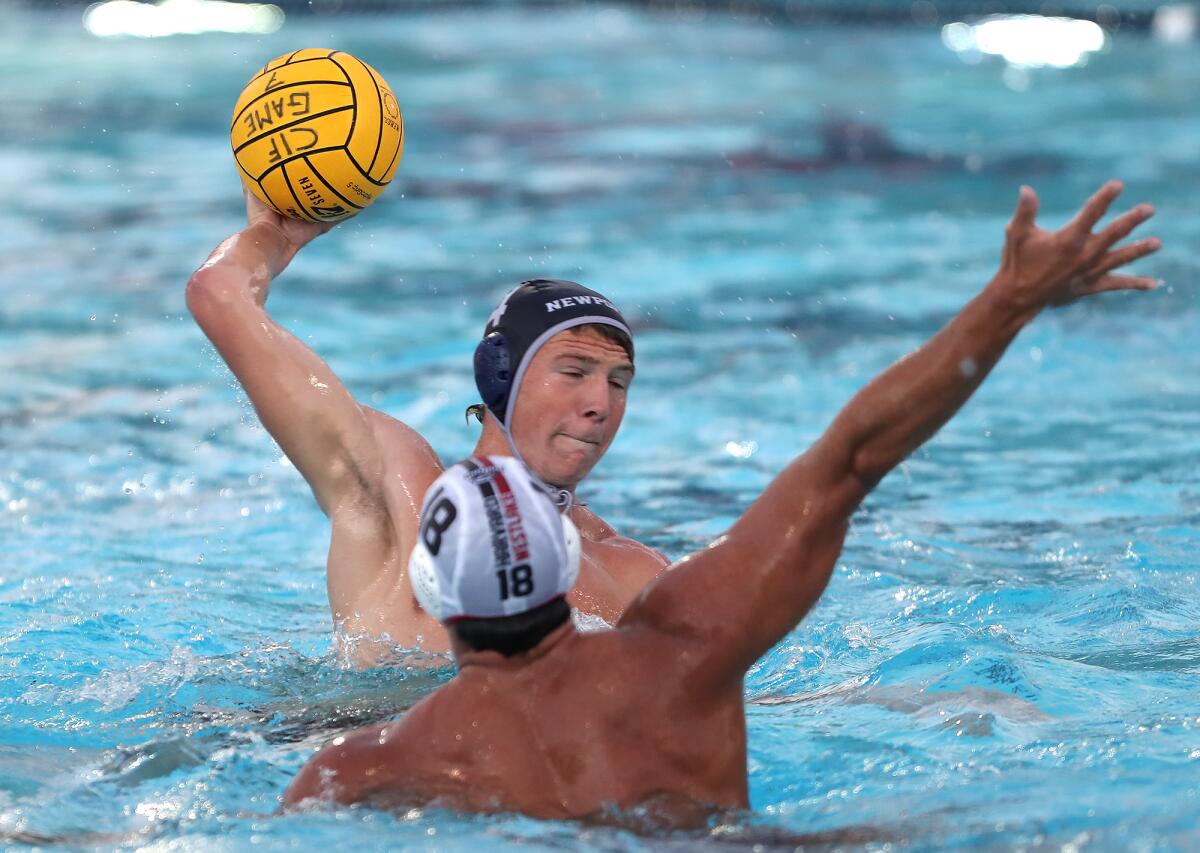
(562, 498)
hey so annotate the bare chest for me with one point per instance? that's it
(612, 572)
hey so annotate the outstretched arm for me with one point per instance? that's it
(740, 596)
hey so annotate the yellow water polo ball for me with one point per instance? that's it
(317, 135)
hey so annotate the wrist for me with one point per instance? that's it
(272, 246)
(1007, 305)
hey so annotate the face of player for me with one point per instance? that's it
(569, 405)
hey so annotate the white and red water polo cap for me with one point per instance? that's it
(492, 543)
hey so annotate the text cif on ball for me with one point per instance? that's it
(317, 135)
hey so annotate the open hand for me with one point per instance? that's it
(1040, 268)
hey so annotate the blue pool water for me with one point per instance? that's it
(1007, 655)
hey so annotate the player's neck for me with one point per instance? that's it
(468, 659)
(492, 442)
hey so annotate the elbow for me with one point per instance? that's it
(202, 292)
(869, 465)
(211, 295)
(205, 288)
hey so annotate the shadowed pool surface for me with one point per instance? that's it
(1007, 654)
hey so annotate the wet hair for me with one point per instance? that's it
(512, 635)
(610, 333)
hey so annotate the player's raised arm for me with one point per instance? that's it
(302, 404)
(736, 599)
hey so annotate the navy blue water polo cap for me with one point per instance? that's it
(533, 313)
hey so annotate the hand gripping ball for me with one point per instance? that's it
(317, 135)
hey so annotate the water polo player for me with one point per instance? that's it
(556, 724)
(553, 370)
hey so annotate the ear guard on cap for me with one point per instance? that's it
(493, 370)
(423, 577)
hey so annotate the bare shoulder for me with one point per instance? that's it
(635, 660)
(354, 766)
(339, 770)
(401, 442)
(594, 529)
(409, 466)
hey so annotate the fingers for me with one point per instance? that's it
(1094, 209)
(1120, 227)
(1027, 208)
(1125, 255)
(253, 204)
(1123, 282)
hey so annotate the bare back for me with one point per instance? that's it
(597, 721)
